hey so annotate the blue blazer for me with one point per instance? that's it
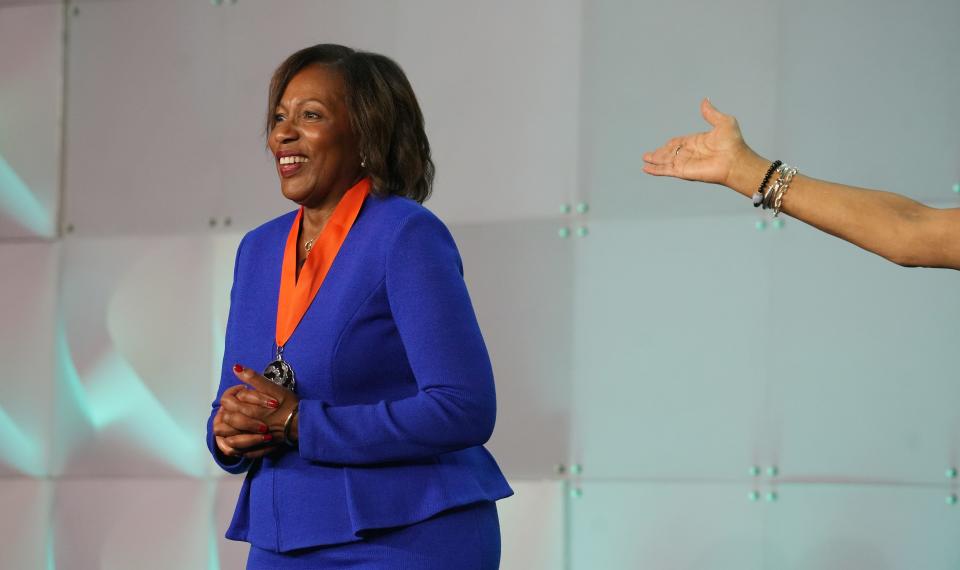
(395, 384)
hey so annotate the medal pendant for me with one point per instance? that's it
(281, 373)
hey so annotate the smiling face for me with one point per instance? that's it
(317, 154)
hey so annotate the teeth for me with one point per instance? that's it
(293, 159)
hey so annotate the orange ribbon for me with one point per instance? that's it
(297, 294)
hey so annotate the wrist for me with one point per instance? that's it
(290, 424)
(746, 172)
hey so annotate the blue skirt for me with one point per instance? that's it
(467, 538)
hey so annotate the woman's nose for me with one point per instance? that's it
(284, 132)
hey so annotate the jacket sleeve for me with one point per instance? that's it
(455, 405)
(227, 379)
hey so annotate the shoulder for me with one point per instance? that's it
(399, 220)
(269, 231)
(267, 237)
(414, 237)
(395, 211)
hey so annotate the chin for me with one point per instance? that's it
(293, 193)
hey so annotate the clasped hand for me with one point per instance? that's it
(251, 417)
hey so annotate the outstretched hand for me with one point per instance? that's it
(251, 417)
(706, 157)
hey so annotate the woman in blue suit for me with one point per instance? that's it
(362, 441)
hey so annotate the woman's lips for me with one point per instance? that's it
(290, 164)
(288, 170)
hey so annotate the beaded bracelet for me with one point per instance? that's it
(759, 194)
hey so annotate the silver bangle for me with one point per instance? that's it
(770, 193)
(787, 178)
(773, 196)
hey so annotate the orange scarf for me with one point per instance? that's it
(296, 295)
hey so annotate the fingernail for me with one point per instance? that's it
(237, 368)
(267, 437)
(273, 404)
(264, 428)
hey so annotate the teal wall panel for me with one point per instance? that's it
(699, 526)
(843, 526)
(669, 320)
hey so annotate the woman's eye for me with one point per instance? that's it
(278, 117)
(311, 115)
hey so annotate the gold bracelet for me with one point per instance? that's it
(287, 424)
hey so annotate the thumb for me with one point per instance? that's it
(257, 382)
(711, 114)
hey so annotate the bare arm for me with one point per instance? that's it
(899, 229)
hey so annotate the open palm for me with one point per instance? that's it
(704, 157)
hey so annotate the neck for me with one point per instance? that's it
(315, 216)
(314, 220)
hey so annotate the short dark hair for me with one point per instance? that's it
(384, 115)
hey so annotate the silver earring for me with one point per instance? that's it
(363, 161)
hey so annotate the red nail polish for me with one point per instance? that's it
(264, 429)
(273, 404)
(267, 437)
(237, 368)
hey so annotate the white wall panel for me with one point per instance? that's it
(874, 95)
(27, 333)
(180, 138)
(118, 524)
(31, 88)
(624, 525)
(669, 318)
(144, 107)
(646, 66)
(521, 280)
(532, 526)
(845, 527)
(499, 85)
(860, 362)
(230, 553)
(25, 523)
(138, 345)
